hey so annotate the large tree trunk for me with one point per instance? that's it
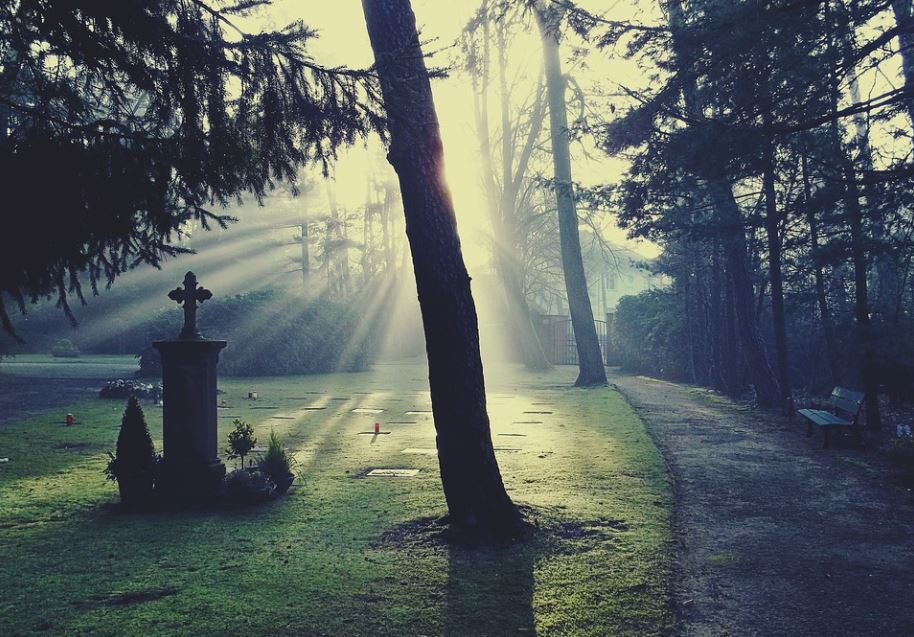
(590, 359)
(772, 226)
(476, 498)
(739, 278)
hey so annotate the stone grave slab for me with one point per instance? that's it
(513, 435)
(367, 410)
(402, 422)
(507, 449)
(264, 407)
(527, 422)
(537, 412)
(420, 451)
(418, 412)
(393, 473)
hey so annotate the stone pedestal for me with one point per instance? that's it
(191, 466)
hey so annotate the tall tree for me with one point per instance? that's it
(147, 115)
(476, 498)
(590, 359)
(504, 193)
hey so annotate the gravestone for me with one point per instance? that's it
(190, 467)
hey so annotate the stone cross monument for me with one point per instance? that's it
(191, 467)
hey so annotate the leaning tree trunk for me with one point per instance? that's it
(476, 497)
(590, 359)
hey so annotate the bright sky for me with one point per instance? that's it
(344, 41)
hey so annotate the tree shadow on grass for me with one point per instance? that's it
(490, 591)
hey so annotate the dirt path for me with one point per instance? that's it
(773, 534)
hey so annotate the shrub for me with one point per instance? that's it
(276, 463)
(245, 487)
(241, 440)
(64, 348)
(133, 465)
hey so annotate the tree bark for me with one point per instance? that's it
(476, 498)
(739, 278)
(591, 371)
(772, 226)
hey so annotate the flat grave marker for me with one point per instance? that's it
(367, 410)
(393, 473)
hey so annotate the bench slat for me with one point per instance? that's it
(847, 394)
(847, 406)
(824, 418)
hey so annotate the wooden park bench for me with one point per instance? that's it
(844, 407)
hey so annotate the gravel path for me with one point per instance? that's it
(773, 534)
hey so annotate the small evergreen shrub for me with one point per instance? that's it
(133, 465)
(277, 464)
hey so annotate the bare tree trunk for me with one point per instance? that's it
(821, 296)
(772, 226)
(854, 216)
(502, 200)
(477, 501)
(590, 359)
(305, 254)
(904, 19)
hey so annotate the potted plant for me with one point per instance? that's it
(241, 440)
(276, 464)
(133, 465)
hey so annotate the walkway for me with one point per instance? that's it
(773, 534)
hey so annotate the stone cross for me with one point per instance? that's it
(189, 295)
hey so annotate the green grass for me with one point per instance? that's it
(86, 366)
(321, 561)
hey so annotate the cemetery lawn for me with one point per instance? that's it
(344, 553)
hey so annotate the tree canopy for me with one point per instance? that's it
(123, 120)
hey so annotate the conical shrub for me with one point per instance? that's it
(134, 462)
